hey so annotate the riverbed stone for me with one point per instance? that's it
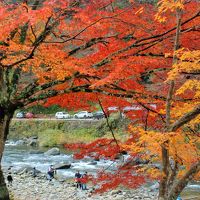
(116, 192)
(35, 152)
(32, 143)
(92, 163)
(26, 169)
(25, 187)
(53, 152)
(62, 166)
(20, 142)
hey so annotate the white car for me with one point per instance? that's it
(62, 115)
(20, 115)
(83, 114)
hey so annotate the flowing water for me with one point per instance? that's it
(21, 156)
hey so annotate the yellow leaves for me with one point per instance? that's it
(189, 85)
(167, 5)
(179, 110)
(153, 172)
(160, 18)
(182, 147)
(188, 63)
(148, 141)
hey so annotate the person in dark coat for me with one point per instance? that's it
(9, 179)
(51, 172)
(78, 179)
(34, 173)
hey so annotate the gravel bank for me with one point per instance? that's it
(27, 188)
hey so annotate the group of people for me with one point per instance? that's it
(81, 180)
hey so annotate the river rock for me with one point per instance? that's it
(96, 159)
(53, 152)
(24, 169)
(62, 166)
(154, 187)
(92, 163)
(33, 143)
(33, 137)
(114, 192)
(20, 142)
(139, 161)
(35, 152)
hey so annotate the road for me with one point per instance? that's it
(52, 119)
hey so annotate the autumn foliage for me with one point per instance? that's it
(118, 54)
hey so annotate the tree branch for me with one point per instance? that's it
(180, 185)
(185, 118)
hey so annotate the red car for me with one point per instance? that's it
(29, 115)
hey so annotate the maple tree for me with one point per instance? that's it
(61, 51)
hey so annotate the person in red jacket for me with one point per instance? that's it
(84, 181)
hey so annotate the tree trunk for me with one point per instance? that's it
(5, 118)
(4, 194)
(164, 187)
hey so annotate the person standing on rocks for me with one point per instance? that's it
(84, 181)
(34, 172)
(78, 179)
(51, 172)
(9, 179)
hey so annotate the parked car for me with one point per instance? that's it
(98, 115)
(62, 115)
(29, 115)
(20, 115)
(83, 114)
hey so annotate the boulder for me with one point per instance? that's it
(93, 163)
(53, 152)
(139, 161)
(154, 187)
(26, 169)
(124, 152)
(118, 157)
(33, 137)
(113, 192)
(33, 143)
(20, 142)
(35, 152)
(62, 166)
(96, 159)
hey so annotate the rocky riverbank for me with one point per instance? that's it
(25, 187)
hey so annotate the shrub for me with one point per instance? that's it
(51, 137)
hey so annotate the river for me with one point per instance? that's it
(20, 156)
